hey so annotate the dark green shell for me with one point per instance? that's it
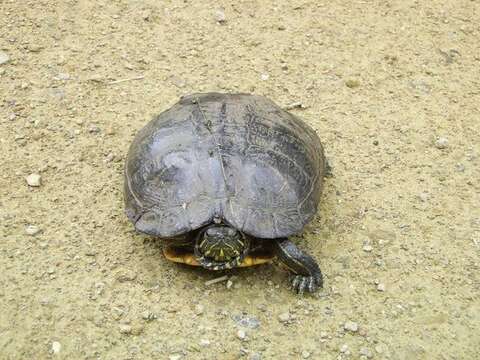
(237, 158)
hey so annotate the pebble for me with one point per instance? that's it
(250, 322)
(241, 334)
(199, 309)
(367, 248)
(460, 167)
(110, 130)
(175, 357)
(344, 349)
(35, 48)
(366, 352)
(305, 354)
(229, 284)
(125, 329)
(178, 82)
(4, 58)
(34, 180)
(264, 77)
(93, 129)
(441, 143)
(126, 276)
(351, 326)
(284, 317)
(352, 83)
(56, 347)
(204, 342)
(148, 316)
(32, 230)
(295, 105)
(220, 16)
(256, 356)
(381, 287)
(423, 196)
(62, 76)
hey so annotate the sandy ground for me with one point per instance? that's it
(393, 89)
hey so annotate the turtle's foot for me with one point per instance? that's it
(306, 275)
(301, 284)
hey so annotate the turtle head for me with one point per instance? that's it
(221, 247)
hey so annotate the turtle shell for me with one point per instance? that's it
(236, 157)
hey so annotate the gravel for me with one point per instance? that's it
(256, 356)
(125, 329)
(250, 322)
(199, 309)
(241, 334)
(220, 16)
(284, 317)
(381, 287)
(351, 326)
(367, 248)
(56, 347)
(205, 342)
(441, 143)
(32, 230)
(4, 58)
(305, 354)
(344, 349)
(366, 352)
(352, 83)
(34, 180)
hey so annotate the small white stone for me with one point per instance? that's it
(34, 180)
(305, 354)
(284, 317)
(32, 230)
(344, 348)
(366, 352)
(4, 58)
(423, 196)
(220, 16)
(125, 329)
(381, 287)
(56, 347)
(241, 334)
(229, 284)
(199, 309)
(204, 342)
(441, 143)
(351, 326)
(175, 357)
(264, 77)
(367, 248)
(62, 76)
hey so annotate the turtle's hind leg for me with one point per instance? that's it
(306, 272)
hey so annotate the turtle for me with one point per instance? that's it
(226, 180)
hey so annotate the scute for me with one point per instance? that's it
(235, 156)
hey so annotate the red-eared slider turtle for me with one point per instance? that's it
(225, 179)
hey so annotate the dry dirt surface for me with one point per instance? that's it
(393, 90)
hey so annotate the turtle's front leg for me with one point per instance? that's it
(307, 275)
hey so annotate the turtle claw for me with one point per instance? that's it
(301, 284)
